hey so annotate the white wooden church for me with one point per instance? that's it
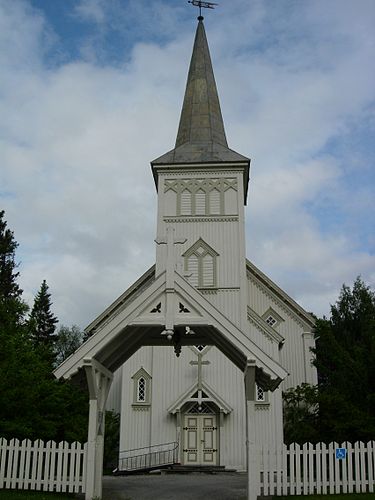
(177, 346)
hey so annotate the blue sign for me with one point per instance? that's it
(340, 453)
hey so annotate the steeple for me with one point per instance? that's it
(201, 136)
(201, 120)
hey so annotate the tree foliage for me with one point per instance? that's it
(67, 342)
(301, 422)
(12, 308)
(33, 403)
(345, 360)
(111, 439)
(342, 406)
(42, 322)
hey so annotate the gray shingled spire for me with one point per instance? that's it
(201, 135)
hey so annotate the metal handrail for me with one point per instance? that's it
(150, 459)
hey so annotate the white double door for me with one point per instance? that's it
(200, 440)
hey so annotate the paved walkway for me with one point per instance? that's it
(193, 486)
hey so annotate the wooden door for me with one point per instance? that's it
(200, 440)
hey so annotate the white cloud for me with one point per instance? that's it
(77, 139)
(91, 10)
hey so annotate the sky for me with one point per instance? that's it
(91, 92)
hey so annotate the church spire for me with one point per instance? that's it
(201, 120)
(201, 136)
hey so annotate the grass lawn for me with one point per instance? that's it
(346, 496)
(33, 495)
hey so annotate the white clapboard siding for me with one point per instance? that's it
(310, 470)
(42, 466)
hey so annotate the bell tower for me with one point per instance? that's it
(202, 189)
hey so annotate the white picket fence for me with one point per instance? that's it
(42, 466)
(309, 469)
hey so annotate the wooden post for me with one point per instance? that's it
(252, 456)
(99, 381)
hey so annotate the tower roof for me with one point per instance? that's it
(201, 135)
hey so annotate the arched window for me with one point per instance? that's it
(200, 202)
(185, 206)
(201, 197)
(261, 396)
(215, 204)
(142, 388)
(200, 265)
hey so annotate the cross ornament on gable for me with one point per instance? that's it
(170, 241)
(199, 363)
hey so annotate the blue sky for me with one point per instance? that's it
(91, 91)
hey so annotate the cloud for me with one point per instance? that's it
(91, 10)
(77, 138)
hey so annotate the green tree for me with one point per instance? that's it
(12, 308)
(67, 342)
(33, 403)
(301, 416)
(345, 360)
(111, 440)
(42, 322)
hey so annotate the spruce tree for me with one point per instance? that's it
(12, 308)
(34, 404)
(42, 322)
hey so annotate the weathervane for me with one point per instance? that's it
(200, 4)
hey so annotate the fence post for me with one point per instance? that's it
(371, 465)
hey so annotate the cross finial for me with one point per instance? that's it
(200, 4)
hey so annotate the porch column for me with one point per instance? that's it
(99, 381)
(252, 455)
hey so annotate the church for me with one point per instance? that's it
(194, 395)
(199, 349)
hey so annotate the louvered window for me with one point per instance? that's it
(208, 270)
(200, 265)
(193, 268)
(215, 202)
(185, 202)
(200, 203)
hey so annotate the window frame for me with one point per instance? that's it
(265, 400)
(207, 250)
(272, 313)
(138, 403)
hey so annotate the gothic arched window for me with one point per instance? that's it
(200, 265)
(185, 206)
(142, 388)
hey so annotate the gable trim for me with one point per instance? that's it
(280, 297)
(213, 397)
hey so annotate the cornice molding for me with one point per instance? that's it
(194, 218)
(206, 174)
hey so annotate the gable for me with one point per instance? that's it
(123, 334)
(282, 303)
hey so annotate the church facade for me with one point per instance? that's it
(191, 392)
